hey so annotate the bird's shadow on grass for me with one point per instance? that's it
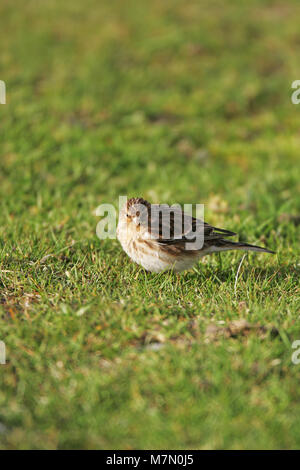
(259, 274)
(218, 274)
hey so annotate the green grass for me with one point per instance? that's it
(173, 101)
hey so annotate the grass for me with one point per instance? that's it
(174, 102)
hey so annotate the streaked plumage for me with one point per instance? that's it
(142, 234)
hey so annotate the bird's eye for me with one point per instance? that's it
(138, 213)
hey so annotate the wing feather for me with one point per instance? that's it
(170, 226)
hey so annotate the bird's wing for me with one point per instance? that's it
(170, 225)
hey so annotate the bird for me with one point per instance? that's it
(161, 237)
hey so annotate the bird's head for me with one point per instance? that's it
(134, 218)
(137, 211)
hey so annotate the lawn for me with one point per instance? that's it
(173, 101)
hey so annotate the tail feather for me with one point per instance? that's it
(248, 247)
(225, 245)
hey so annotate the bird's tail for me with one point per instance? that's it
(225, 245)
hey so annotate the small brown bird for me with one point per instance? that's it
(160, 237)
